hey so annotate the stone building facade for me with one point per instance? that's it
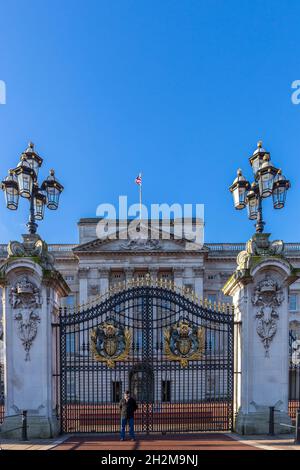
(93, 265)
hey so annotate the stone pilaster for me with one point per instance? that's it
(31, 295)
(178, 276)
(83, 284)
(129, 274)
(153, 273)
(259, 289)
(104, 280)
(198, 276)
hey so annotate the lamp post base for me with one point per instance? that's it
(259, 422)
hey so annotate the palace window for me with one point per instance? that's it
(71, 387)
(140, 275)
(68, 301)
(212, 298)
(293, 302)
(138, 339)
(166, 391)
(116, 391)
(189, 287)
(70, 343)
(226, 298)
(116, 276)
(210, 342)
(165, 275)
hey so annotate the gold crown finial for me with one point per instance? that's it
(31, 144)
(259, 144)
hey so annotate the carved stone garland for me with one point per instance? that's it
(25, 298)
(267, 296)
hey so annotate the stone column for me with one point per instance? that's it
(199, 273)
(83, 284)
(259, 288)
(104, 280)
(31, 292)
(178, 276)
(153, 273)
(129, 274)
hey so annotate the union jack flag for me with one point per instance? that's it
(138, 179)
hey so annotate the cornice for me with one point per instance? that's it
(140, 253)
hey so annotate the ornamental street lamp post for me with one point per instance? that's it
(259, 288)
(23, 181)
(268, 181)
(27, 279)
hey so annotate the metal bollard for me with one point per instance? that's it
(297, 438)
(271, 421)
(24, 426)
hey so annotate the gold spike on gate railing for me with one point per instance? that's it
(156, 282)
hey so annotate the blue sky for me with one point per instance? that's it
(180, 90)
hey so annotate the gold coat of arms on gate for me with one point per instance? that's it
(184, 342)
(110, 342)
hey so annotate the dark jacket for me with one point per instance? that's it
(128, 408)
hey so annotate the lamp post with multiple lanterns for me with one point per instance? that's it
(268, 181)
(23, 181)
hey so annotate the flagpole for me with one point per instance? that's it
(140, 198)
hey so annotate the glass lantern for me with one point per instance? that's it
(39, 201)
(238, 190)
(33, 158)
(25, 176)
(252, 201)
(53, 190)
(256, 160)
(265, 177)
(11, 191)
(280, 187)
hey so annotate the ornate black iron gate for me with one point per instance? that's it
(173, 354)
(1, 391)
(294, 374)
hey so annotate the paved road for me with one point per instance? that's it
(196, 441)
(191, 442)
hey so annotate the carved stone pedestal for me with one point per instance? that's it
(31, 291)
(259, 288)
(257, 422)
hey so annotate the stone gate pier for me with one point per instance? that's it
(259, 288)
(31, 291)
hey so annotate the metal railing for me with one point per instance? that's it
(225, 246)
(214, 247)
(296, 427)
(63, 247)
(288, 247)
(24, 425)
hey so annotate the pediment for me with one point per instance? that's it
(145, 240)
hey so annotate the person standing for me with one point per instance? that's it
(128, 406)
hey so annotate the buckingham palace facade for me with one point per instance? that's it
(94, 265)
